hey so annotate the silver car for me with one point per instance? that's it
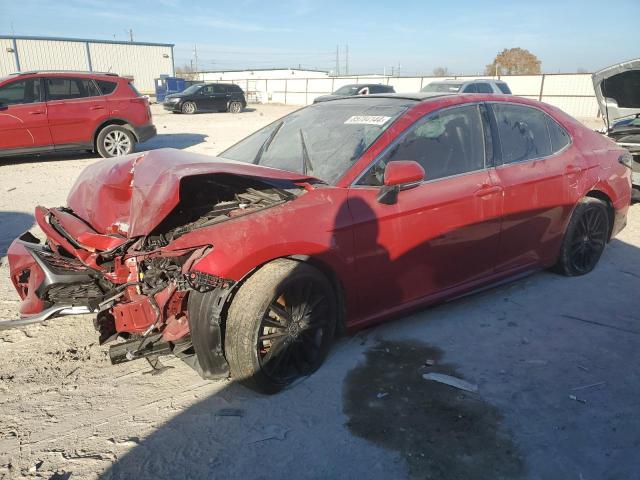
(468, 86)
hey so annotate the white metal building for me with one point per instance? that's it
(261, 74)
(144, 62)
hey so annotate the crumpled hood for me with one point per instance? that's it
(131, 195)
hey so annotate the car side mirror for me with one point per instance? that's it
(399, 175)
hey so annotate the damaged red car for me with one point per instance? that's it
(335, 217)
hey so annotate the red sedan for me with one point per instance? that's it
(334, 217)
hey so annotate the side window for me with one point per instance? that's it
(218, 89)
(559, 136)
(106, 87)
(504, 88)
(69, 88)
(484, 88)
(523, 132)
(446, 143)
(24, 91)
(207, 90)
(471, 88)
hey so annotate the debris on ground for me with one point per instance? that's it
(574, 398)
(451, 381)
(382, 394)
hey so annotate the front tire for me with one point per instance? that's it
(280, 325)
(585, 238)
(189, 108)
(114, 141)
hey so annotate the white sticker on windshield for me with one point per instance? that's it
(367, 120)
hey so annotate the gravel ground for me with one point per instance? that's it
(555, 360)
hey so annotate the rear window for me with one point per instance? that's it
(504, 88)
(484, 88)
(233, 89)
(106, 87)
(134, 90)
(442, 87)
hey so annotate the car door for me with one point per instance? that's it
(537, 170)
(75, 109)
(23, 116)
(440, 234)
(221, 97)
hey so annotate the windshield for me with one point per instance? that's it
(348, 90)
(323, 140)
(442, 87)
(191, 90)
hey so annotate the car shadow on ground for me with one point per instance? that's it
(12, 225)
(172, 140)
(548, 406)
(162, 140)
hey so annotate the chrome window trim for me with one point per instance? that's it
(373, 162)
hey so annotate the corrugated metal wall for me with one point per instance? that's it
(143, 62)
(7, 57)
(573, 93)
(51, 55)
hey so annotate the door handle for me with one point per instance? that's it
(37, 112)
(98, 107)
(487, 189)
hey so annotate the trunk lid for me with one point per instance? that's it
(617, 90)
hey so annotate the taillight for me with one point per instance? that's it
(626, 159)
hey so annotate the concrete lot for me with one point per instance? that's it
(555, 360)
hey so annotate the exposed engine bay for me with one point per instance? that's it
(138, 286)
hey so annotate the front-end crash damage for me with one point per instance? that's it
(127, 270)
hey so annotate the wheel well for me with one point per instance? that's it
(322, 267)
(600, 195)
(112, 121)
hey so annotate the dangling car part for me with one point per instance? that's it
(618, 93)
(248, 263)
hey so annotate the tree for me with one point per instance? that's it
(513, 61)
(441, 72)
(186, 72)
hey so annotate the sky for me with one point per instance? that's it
(417, 36)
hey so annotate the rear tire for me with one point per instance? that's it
(280, 325)
(235, 107)
(585, 238)
(114, 141)
(189, 108)
(635, 194)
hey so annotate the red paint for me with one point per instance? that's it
(403, 171)
(442, 238)
(47, 124)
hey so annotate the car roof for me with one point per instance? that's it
(416, 97)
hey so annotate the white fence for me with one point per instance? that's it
(573, 93)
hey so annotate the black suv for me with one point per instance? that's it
(217, 97)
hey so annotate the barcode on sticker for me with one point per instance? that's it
(367, 120)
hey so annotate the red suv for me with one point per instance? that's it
(51, 111)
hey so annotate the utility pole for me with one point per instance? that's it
(346, 60)
(399, 66)
(131, 35)
(195, 56)
(337, 73)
